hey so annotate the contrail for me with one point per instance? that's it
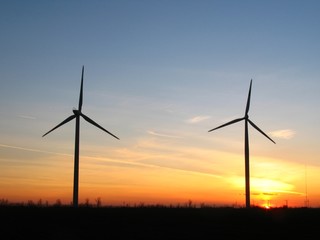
(135, 164)
(32, 150)
(161, 134)
(154, 166)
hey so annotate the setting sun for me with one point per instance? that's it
(266, 206)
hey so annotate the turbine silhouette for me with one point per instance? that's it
(246, 143)
(76, 114)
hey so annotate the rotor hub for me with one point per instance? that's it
(76, 112)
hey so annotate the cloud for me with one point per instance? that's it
(264, 193)
(285, 133)
(161, 134)
(31, 149)
(27, 117)
(198, 119)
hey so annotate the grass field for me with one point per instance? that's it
(26, 222)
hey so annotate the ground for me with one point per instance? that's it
(25, 222)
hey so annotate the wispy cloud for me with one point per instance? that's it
(162, 134)
(267, 186)
(198, 119)
(123, 162)
(284, 133)
(31, 149)
(26, 117)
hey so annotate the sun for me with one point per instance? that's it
(266, 205)
(265, 192)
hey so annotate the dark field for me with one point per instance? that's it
(22, 222)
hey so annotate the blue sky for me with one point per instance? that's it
(163, 72)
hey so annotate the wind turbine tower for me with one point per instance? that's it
(77, 113)
(246, 143)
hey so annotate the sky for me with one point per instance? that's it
(159, 75)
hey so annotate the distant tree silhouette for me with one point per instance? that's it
(58, 203)
(98, 202)
(87, 202)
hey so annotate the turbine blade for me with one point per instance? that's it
(228, 123)
(97, 125)
(63, 122)
(257, 128)
(81, 91)
(248, 100)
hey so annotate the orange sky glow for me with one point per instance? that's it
(130, 180)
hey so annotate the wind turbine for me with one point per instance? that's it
(246, 143)
(76, 114)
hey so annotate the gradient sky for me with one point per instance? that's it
(159, 75)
